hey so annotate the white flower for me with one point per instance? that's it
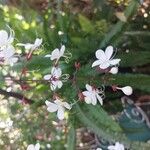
(91, 95)
(58, 106)
(114, 70)
(105, 59)
(29, 46)
(127, 90)
(57, 54)
(54, 78)
(5, 39)
(33, 147)
(117, 146)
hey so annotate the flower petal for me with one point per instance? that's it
(97, 62)
(99, 99)
(87, 93)
(66, 105)
(37, 146)
(51, 106)
(100, 55)
(55, 54)
(114, 61)
(109, 52)
(88, 87)
(62, 50)
(104, 65)
(60, 113)
(30, 147)
(3, 37)
(87, 100)
(59, 84)
(38, 42)
(48, 55)
(94, 100)
(9, 52)
(47, 77)
(53, 85)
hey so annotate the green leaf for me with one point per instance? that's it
(86, 24)
(140, 58)
(117, 29)
(71, 140)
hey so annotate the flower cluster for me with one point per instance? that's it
(55, 80)
(91, 95)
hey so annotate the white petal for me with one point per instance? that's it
(105, 65)
(88, 87)
(11, 60)
(114, 61)
(48, 55)
(3, 37)
(9, 51)
(66, 105)
(100, 55)
(47, 77)
(97, 62)
(60, 113)
(62, 50)
(38, 42)
(87, 94)
(55, 54)
(53, 86)
(109, 52)
(37, 146)
(59, 84)
(94, 100)
(30, 147)
(28, 46)
(99, 99)
(111, 147)
(87, 100)
(51, 106)
(56, 72)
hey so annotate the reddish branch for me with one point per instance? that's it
(16, 95)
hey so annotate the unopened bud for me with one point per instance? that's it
(127, 90)
(114, 70)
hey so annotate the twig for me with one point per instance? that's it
(16, 95)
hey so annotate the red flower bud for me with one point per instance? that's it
(77, 65)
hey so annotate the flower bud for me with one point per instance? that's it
(127, 90)
(114, 70)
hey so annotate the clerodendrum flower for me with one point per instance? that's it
(117, 146)
(92, 95)
(56, 53)
(105, 59)
(7, 51)
(54, 78)
(33, 147)
(29, 46)
(59, 107)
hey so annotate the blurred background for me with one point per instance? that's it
(82, 26)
